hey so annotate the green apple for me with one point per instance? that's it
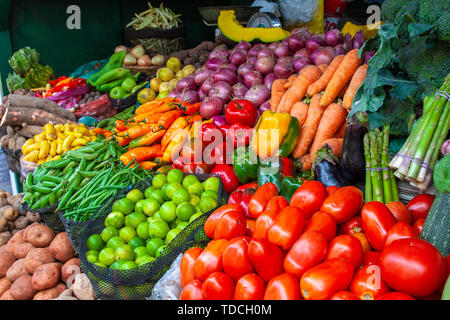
(117, 93)
(128, 84)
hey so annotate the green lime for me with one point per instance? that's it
(195, 188)
(195, 216)
(185, 210)
(135, 195)
(125, 252)
(159, 180)
(138, 206)
(150, 206)
(180, 195)
(157, 215)
(144, 259)
(175, 175)
(189, 179)
(148, 191)
(172, 224)
(158, 195)
(140, 251)
(127, 233)
(101, 264)
(160, 250)
(164, 192)
(195, 200)
(210, 193)
(95, 242)
(117, 264)
(106, 256)
(123, 205)
(134, 219)
(207, 204)
(115, 219)
(172, 234)
(158, 229)
(153, 245)
(182, 225)
(92, 256)
(108, 233)
(136, 242)
(128, 265)
(168, 211)
(171, 188)
(114, 242)
(212, 183)
(142, 231)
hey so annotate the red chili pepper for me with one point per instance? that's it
(287, 167)
(226, 174)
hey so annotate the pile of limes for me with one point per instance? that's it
(142, 224)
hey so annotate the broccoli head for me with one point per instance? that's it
(431, 10)
(394, 10)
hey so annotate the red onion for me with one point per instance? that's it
(302, 32)
(245, 68)
(266, 52)
(334, 37)
(206, 86)
(252, 78)
(347, 43)
(313, 44)
(219, 120)
(238, 57)
(257, 94)
(186, 83)
(243, 45)
(253, 51)
(300, 63)
(260, 46)
(269, 79)
(214, 63)
(190, 96)
(210, 107)
(238, 91)
(252, 60)
(282, 50)
(295, 42)
(358, 40)
(224, 74)
(230, 66)
(222, 90)
(201, 76)
(265, 65)
(264, 106)
(445, 148)
(314, 54)
(368, 55)
(288, 59)
(219, 53)
(273, 46)
(174, 94)
(324, 56)
(201, 94)
(283, 69)
(301, 53)
(339, 50)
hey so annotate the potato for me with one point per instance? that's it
(46, 276)
(21, 250)
(5, 284)
(51, 293)
(3, 223)
(6, 261)
(4, 194)
(71, 267)
(37, 257)
(21, 222)
(16, 270)
(3, 202)
(22, 289)
(33, 216)
(16, 239)
(4, 237)
(39, 235)
(7, 296)
(61, 248)
(10, 213)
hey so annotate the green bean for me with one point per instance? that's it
(65, 198)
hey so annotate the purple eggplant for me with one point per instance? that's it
(327, 170)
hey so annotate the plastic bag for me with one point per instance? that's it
(99, 109)
(169, 286)
(27, 167)
(303, 13)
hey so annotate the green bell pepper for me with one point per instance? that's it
(289, 185)
(290, 139)
(112, 75)
(270, 171)
(245, 164)
(107, 87)
(115, 61)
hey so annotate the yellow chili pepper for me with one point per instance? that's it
(68, 142)
(79, 142)
(59, 127)
(32, 156)
(60, 146)
(50, 131)
(57, 157)
(30, 148)
(53, 148)
(174, 147)
(29, 142)
(44, 150)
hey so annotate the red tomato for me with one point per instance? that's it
(344, 295)
(447, 258)
(420, 205)
(259, 200)
(192, 291)
(277, 203)
(413, 266)
(283, 287)
(230, 225)
(331, 190)
(288, 226)
(323, 222)
(249, 287)
(250, 227)
(395, 296)
(351, 226)
(210, 260)
(218, 286)
(264, 222)
(308, 251)
(347, 247)
(371, 257)
(266, 258)
(401, 230)
(241, 111)
(309, 197)
(325, 279)
(343, 204)
(187, 265)
(418, 225)
(364, 242)
(235, 258)
(211, 222)
(434, 296)
(400, 211)
(377, 220)
(368, 284)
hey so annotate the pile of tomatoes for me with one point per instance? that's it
(326, 243)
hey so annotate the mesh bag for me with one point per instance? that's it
(48, 215)
(137, 283)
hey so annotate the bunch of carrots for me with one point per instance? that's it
(155, 132)
(320, 98)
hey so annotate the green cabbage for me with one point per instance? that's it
(15, 82)
(23, 60)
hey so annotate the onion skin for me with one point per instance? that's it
(186, 83)
(243, 45)
(314, 43)
(129, 60)
(264, 106)
(221, 90)
(300, 63)
(269, 79)
(206, 86)
(295, 42)
(339, 50)
(190, 96)
(158, 60)
(121, 48)
(445, 149)
(144, 61)
(238, 91)
(265, 65)
(224, 74)
(138, 51)
(347, 43)
(252, 78)
(283, 69)
(333, 37)
(368, 55)
(202, 75)
(211, 107)
(257, 94)
(282, 50)
(215, 63)
(238, 57)
(219, 120)
(358, 40)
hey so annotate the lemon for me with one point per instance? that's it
(146, 95)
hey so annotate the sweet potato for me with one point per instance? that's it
(51, 293)
(61, 248)
(21, 250)
(6, 261)
(22, 289)
(71, 267)
(37, 257)
(36, 117)
(5, 284)
(39, 235)
(7, 295)
(46, 276)
(16, 270)
(17, 100)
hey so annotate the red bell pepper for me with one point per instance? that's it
(238, 133)
(287, 167)
(251, 185)
(226, 173)
(209, 133)
(241, 111)
(242, 197)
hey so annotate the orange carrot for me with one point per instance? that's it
(290, 81)
(332, 119)
(277, 93)
(343, 90)
(307, 161)
(307, 75)
(322, 82)
(357, 80)
(300, 111)
(308, 131)
(322, 67)
(336, 147)
(341, 77)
